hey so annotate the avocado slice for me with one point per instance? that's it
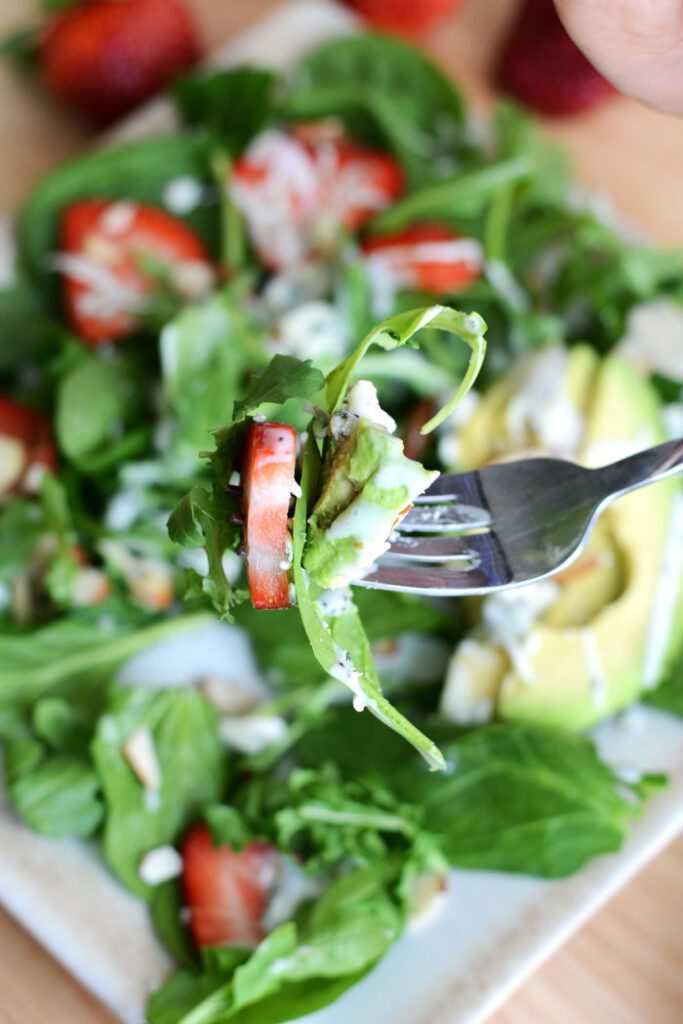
(368, 484)
(580, 675)
(617, 622)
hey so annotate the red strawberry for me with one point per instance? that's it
(104, 57)
(102, 244)
(25, 442)
(297, 190)
(226, 892)
(404, 16)
(268, 465)
(429, 257)
(543, 67)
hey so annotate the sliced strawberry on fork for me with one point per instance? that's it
(269, 461)
(429, 257)
(226, 892)
(103, 248)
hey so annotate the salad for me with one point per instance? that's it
(231, 358)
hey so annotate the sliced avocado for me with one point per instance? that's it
(594, 580)
(494, 431)
(580, 675)
(368, 484)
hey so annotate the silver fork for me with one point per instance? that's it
(510, 524)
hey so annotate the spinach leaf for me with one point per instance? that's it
(231, 106)
(183, 729)
(70, 650)
(387, 93)
(523, 799)
(137, 171)
(23, 314)
(204, 351)
(93, 402)
(60, 796)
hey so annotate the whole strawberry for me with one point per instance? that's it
(543, 68)
(104, 57)
(403, 16)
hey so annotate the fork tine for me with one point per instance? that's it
(444, 519)
(434, 580)
(464, 488)
(437, 549)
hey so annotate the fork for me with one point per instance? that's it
(510, 524)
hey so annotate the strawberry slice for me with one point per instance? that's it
(226, 892)
(269, 461)
(102, 59)
(103, 247)
(403, 16)
(298, 191)
(429, 257)
(25, 441)
(544, 68)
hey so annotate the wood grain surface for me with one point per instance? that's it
(626, 966)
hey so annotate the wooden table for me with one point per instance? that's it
(624, 967)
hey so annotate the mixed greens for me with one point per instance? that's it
(294, 257)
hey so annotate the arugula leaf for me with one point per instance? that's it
(183, 727)
(232, 106)
(400, 330)
(463, 196)
(340, 644)
(136, 171)
(70, 650)
(387, 93)
(524, 800)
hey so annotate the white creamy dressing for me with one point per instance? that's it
(666, 600)
(653, 341)
(508, 617)
(107, 296)
(597, 677)
(315, 330)
(251, 734)
(333, 603)
(540, 407)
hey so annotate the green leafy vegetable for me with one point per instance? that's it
(58, 797)
(232, 106)
(183, 730)
(137, 170)
(83, 426)
(388, 94)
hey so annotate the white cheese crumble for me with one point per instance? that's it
(250, 734)
(183, 194)
(314, 330)
(541, 408)
(363, 402)
(160, 865)
(12, 462)
(508, 617)
(653, 341)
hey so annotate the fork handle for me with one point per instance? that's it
(643, 468)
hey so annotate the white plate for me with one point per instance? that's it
(495, 929)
